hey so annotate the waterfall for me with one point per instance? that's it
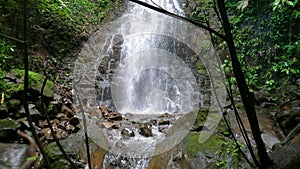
(150, 79)
(153, 70)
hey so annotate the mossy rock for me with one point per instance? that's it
(75, 148)
(201, 117)
(216, 152)
(35, 83)
(8, 129)
(192, 145)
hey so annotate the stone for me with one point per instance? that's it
(145, 130)
(163, 122)
(267, 104)
(163, 128)
(8, 130)
(109, 125)
(61, 164)
(74, 146)
(35, 83)
(67, 111)
(119, 144)
(127, 133)
(70, 128)
(165, 115)
(34, 113)
(287, 156)
(74, 121)
(13, 105)
(47, 133)
(17, 151)
(95, 112)
(61, 134)
(3, 111)
(153, 122)
(104, 110)
(116, 117)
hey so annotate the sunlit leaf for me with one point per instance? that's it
(242, 4)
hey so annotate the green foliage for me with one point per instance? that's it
(6, 55)
(267, 39)
(58, 26)
(67, 23)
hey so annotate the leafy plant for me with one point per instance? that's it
(6, 55)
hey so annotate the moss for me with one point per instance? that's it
(33, 78)
(201, 116)
(192, 145)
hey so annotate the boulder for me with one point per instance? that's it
(127, 133)
(8, 130)
(163, 122)
(3, 111)
(75, 148)
(12, 156)
(35, 83)
(145, 130)
(13, 105)
(109, 125)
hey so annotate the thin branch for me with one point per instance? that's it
(26, 86)
(51, 128)
(181, 18)
(12, 38)
(241, 125)
(85, 129)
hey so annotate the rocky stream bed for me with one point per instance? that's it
(279, 124)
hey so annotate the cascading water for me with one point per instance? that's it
(148, 67)
(150, 80)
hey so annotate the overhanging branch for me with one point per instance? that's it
(163, 11)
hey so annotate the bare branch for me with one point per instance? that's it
(181, 18)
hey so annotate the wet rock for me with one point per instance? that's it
(35, 83)
(163, 122)
(153, 121)
(3, 111)
(145, 130)
(165, 115)
(287, 156)
(95, 113)
(115, 117)
(8, 130)
(13, 105)
(75, 148)
(61, 164)
(61, 116)
(34, 113)
(119, 144)
(163, 128)
(61, 134)
(267, 104)
(74, 121)
(67, 111)
(109, 125)
(12, 155)
(127, 133)
(47, 133)
(104, 110)
(70, 128)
